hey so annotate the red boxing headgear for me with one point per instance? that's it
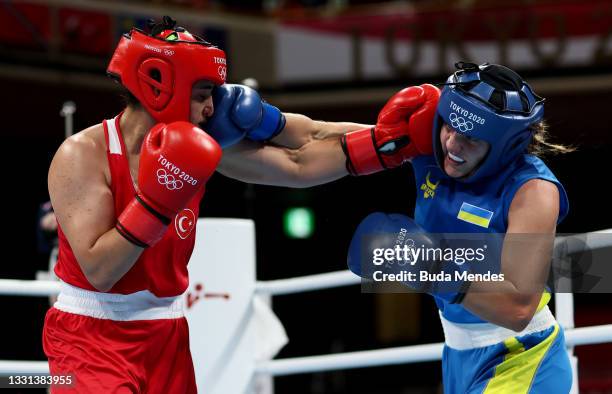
(160, 69)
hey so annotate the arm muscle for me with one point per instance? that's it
(84, 207)
(526, 258)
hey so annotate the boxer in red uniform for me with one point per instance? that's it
(126, 194)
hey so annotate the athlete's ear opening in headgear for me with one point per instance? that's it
(492, 103)
(160, 68)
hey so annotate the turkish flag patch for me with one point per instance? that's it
(184, 223)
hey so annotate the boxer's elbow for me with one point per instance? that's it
(520, 319)
(105, 260)
(308, 170)
(293, 172)
(96, 277)
(301, 179)
(304, 176)
(96, 271)
(519, 311)
(507, 309)
(101, 284)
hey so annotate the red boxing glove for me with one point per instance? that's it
(176, 160)
(402, 131)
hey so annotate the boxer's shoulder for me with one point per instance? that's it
(91, 138)
(86, 144)
(84, 152)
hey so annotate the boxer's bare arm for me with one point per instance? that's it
(300, 130)
(315, 157)
(526, 257)
(83, 204)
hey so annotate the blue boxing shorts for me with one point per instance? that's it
(485, 358)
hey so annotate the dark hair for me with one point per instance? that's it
(541, 146)
(129, 100)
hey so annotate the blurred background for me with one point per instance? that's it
(335, 60)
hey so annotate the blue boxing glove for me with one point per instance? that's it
(241, 113)
(393, 248)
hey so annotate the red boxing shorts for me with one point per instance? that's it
(115, 343)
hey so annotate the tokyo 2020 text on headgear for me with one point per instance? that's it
(490, 103)
(160, 68)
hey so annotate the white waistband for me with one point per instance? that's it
(142, 305)
(470, 336)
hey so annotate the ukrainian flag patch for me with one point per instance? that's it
(475, 215)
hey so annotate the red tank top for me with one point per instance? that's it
(162, 268)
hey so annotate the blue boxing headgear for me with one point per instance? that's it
(490, 103)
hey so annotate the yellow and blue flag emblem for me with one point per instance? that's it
(429, 187)
(475, 215)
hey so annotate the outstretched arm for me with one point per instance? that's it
(311, 155)
(262, 145)
(301, 130)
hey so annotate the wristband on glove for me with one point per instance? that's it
(140, 224)
(362, 157)
(272, 123)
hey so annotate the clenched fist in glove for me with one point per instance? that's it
(241, 113)
(175, 162)
(403, 130)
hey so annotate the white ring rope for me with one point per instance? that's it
(582, 242)
(43, 288)
(359, 359)
(14, 367)
(307, 283)
(403, 355)
(37, 288)
(28, 288)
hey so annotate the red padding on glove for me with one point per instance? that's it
(139, 225)
(361, 152)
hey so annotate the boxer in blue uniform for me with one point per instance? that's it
(481, 178)
(474, 174)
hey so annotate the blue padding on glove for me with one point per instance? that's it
(272, 123)
(394, 245)
(220, 126)
(239, 112)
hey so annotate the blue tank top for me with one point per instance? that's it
(444, 205)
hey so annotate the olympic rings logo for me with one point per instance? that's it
(459, 123)
(168, 180)
(410, 260)
(222, 72)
